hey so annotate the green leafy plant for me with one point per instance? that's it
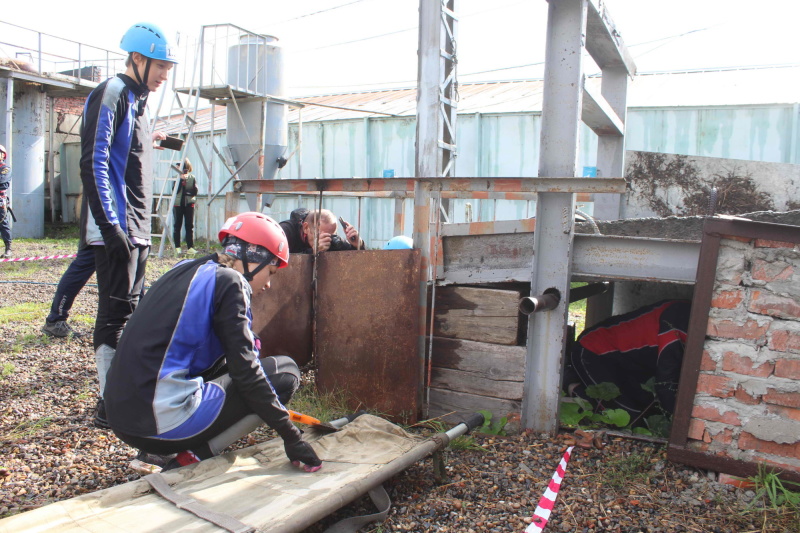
(579, 411)
(491, 426)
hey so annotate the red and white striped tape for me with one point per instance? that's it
(548, 499)
(9, 259)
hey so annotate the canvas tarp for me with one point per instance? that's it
(257, 485)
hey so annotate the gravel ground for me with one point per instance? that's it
(50, 451)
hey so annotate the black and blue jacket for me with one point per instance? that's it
(116, 160)
(191, 319)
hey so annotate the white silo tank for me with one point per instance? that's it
(255, 66)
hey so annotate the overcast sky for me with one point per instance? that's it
(336, 45)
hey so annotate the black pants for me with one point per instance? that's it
(71, 283)
(232, 422)
(181, 214)
(119, 287)
(5, 226)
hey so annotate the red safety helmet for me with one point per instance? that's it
(258, 228)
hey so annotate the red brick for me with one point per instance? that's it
(728, 299)
(696, 429)
(787, 368)
(747, 441)
(767, 303)
(784, 412)
(767, 271)
(764, 243)
(737, 238)
(723, 437)
(697, 445)
(706, 363)
(713, 415)
(718, 386)
(784, 340)
(733, 362)
(787, 399)
(731, 330)
(745, 397)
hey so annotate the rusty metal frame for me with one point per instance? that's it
(713, 231)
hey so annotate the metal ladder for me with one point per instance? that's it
(165, 188)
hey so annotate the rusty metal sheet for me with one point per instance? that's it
(282, 313)
(368, 329)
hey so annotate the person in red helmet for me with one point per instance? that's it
(186, 378)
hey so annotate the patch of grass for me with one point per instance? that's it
(27, 428)
(621, 472)
(323, 406)
(24, 312)
(463, 442)
(6, 370)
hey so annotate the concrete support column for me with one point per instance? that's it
(24, 128)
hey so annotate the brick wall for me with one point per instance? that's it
(747, 403)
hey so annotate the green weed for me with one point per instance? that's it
(463, 442)
(27, 428)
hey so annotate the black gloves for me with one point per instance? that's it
(117, 243)
(301, 452)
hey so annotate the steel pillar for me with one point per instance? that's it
(555, 212)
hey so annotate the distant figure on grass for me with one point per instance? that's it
(5, 202)
(303, 226)
(630, 349)
(183, 211)
(187, 378)
(116, 171)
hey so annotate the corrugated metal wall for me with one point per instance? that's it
(492, 145)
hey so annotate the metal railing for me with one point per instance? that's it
(30, 50)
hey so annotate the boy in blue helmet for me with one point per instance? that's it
(116, 171)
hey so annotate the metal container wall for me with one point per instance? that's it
(255, 66)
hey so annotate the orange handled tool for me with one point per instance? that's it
(294, 416)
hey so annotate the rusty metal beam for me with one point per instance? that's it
(468, 187)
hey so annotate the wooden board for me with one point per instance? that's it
(484, 315)
(460, 381)
(443, 402)
(492, 361)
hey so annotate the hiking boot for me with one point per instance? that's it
(100, 417)
(149, 463)
(191, 251)
(7, 253)
(59, 328)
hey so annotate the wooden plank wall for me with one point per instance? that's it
(476, 362)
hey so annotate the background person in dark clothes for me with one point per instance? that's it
(183, 212)
(628, 350)
(302, 226)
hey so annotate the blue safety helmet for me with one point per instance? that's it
(148, 40)
(401, 242)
